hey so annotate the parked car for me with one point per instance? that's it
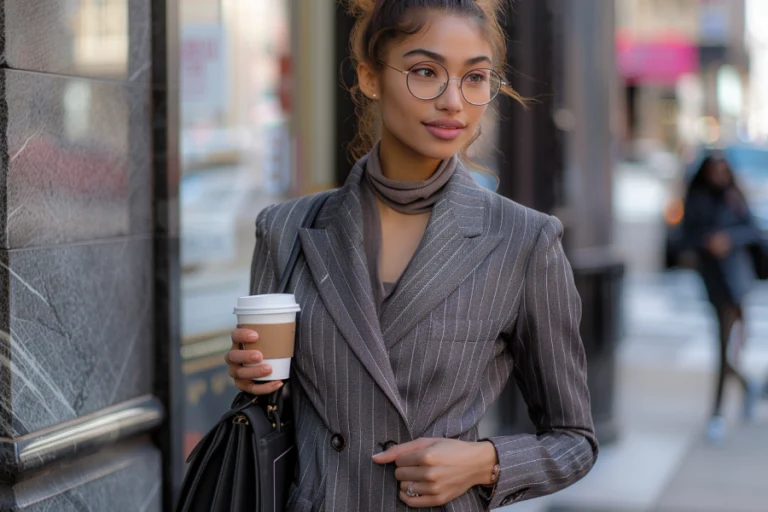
(750, 165)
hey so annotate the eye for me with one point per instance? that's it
(477, 77)
(424, 73)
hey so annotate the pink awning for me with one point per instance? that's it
(660, 61)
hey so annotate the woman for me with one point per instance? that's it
(719, 227)
(422, 292)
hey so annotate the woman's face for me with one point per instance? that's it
(437, 128)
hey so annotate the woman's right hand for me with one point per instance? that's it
(719, 244)
(243, 375)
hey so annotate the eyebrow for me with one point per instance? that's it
(439, 58)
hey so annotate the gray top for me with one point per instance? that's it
(410, 197)
(372, 245)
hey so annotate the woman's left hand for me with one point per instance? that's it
(441, 470)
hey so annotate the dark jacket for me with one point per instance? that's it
(729, 279)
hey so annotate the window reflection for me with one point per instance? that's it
(101, 39)
(235, 161)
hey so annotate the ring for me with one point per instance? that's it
(409, 492)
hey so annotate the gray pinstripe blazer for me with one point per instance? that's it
(488, 294)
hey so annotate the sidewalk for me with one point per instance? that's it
(662, 463)
(731, 478)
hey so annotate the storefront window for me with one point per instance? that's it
(235, 160)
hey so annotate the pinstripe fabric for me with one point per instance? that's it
(488, 294)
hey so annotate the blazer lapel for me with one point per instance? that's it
(453, 245)
(335, 248)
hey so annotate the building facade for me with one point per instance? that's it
(685, 67)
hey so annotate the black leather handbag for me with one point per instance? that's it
(246, 463)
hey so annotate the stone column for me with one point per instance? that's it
(587, 114)
(77, 275)
(557, 157)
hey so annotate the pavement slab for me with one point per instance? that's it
(728, 478)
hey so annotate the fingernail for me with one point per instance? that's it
(267, 367)
(253, 337)
(256, 357)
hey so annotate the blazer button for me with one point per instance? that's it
(389, 444)
(338, 442)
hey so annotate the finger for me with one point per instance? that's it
(243, 357)
(415, 474)
(421, 488)
(422, 501)
(396, 451)
(244, 336)
(254, 388)
(251, 372)
(420, 457)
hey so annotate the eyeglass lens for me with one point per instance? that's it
(428, 80)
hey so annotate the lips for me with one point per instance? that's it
(445, 129)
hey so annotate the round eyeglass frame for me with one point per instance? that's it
(407, 73)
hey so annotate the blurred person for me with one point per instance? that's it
(719, 226)
(423, 292)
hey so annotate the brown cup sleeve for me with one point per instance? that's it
(276, 341)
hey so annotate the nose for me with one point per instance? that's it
(450, 100)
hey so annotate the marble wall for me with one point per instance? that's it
(77, 244)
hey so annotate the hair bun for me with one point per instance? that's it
(360, 8)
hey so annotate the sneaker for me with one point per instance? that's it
(751, 397)
(716, 430)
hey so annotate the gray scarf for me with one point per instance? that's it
(410, 197)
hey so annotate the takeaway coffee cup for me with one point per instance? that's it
(273, 316)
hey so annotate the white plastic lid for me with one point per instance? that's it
(268, 304)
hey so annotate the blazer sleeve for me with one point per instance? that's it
(263, 275)
(550, 369)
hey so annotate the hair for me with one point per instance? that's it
(700, 183)
(380, 22)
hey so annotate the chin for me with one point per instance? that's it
(438, 150)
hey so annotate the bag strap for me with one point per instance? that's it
(275, 400)
(309, 219)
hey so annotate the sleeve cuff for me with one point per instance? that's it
(504, 493)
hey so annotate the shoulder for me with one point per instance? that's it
(286, 216)
(510, 219)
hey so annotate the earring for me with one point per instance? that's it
(374, 95)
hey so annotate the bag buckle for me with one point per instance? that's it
(240, 420)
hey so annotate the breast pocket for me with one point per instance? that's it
(464, 330)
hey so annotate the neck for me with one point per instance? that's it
(403, 164)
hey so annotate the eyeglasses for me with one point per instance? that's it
(428, 80)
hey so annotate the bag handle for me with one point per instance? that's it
(275, 400)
